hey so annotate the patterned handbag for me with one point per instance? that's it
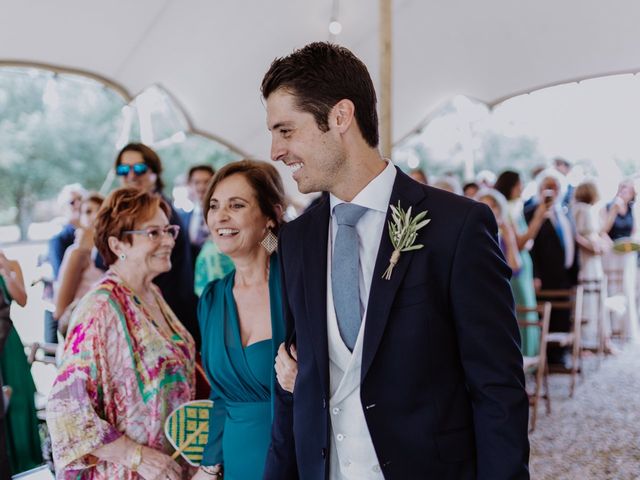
(187, 429)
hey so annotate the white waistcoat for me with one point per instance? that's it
(352, 454)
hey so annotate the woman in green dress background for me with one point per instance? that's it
(241, 319)
(510, 185)
(20, 422)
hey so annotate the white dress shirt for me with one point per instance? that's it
(352, 453)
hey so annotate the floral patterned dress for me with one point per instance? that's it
(121, 374)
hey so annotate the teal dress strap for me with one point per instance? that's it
(224, 358)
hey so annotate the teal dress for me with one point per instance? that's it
(242, 379)
(523, 290)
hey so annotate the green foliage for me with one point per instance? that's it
(53, 131)
(56, 130)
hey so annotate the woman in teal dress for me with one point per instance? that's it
(241, 320)
(21, 422)
(522, 284)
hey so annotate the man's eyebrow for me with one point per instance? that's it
(279, 125)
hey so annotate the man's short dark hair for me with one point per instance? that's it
(319, 76)
(200, 168)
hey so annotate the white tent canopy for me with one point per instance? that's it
(211, 55)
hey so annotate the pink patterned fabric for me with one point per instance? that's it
(120, 375)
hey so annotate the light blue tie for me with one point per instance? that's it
(345, 272)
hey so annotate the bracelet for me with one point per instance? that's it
(136, 459)
(212, 470)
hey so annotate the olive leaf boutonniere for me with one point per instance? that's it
(403, 231)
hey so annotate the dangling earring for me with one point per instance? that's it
(270, 242)
(123, 256)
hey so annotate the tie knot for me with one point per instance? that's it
(348, 213)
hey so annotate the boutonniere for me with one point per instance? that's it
(403, 231)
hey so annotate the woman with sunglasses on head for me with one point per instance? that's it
(139, 166)
(128, 361)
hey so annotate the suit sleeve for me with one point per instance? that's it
(281, 457)
(489, 343)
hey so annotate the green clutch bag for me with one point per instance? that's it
(187, 429)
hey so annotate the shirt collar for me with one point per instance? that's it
(376, 194)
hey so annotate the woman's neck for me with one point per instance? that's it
(253, 269)
(138, 281)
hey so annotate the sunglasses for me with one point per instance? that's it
(138, 169)
(156, 233)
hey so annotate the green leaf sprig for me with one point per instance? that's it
(403, 231)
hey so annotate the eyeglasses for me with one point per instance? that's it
(156, 233)
(123, 170)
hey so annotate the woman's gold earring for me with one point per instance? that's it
(270, 242)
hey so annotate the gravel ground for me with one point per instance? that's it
(596, 434)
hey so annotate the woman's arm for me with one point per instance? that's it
(76, 261)
(536, 222)
(609, 216)
(512, 252)
(12, 275)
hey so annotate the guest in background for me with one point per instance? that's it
(20, 421)
(591, 246)
(470, 189)
(139, 166)
(510, 185)
(621, 267)
(555, 264)
(78, 272)
(211, 265)
(506, 235)
(69, 200)
(448, 183)
(419, 176)
(563, 166)
(241, 318)
(128, 362)
(485, 179)
(198, 179)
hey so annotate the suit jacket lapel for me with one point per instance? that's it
(315, 285)
(383, 292)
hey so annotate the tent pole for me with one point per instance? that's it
(386, 138)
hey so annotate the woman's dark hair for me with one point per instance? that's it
(506, 182)
(265, 181)
(319, 76)
(150, 158)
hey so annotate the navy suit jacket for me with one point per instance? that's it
(442, 386)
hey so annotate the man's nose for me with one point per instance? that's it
(277, 150)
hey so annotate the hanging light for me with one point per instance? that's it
(335, 27)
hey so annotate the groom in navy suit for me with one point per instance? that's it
(418, 376)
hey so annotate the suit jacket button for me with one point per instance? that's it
(324, 453)
(324, 403)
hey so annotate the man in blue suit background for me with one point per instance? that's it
(415, 376)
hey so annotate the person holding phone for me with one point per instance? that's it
(555, 264)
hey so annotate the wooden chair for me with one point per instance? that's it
(596, 289)
(537, 364)
(569, 300)
(616, 295)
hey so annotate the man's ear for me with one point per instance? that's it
(342, 115)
